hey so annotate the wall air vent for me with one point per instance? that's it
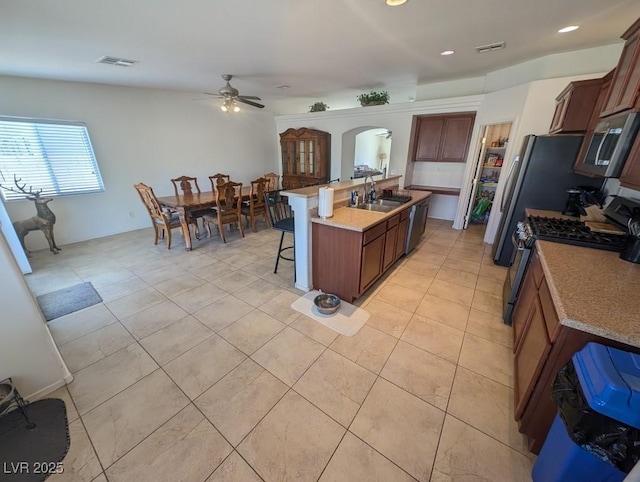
(116, 61)
(490, 47)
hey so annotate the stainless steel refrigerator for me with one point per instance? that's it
(538, 178)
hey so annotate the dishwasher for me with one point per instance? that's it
(417, 223)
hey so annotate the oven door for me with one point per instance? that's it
(515, 275)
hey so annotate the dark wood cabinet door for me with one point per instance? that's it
(520, 315)
(306, 155)
(626, 81)
(575, 106)
(429, 135)
(630, 176)
(530, 357)
(443, 138)
(391, 238)
(371, 268)
(403, 230)
(455, 139)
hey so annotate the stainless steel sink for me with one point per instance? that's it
(379, 205)
(382, 208)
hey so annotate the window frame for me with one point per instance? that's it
(38, 151)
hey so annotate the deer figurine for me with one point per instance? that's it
(43, 220)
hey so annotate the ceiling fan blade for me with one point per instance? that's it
(245, 101)
(250, 97)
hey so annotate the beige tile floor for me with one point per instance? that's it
(195, 367)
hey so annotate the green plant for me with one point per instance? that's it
(318, 107)
(374, 98)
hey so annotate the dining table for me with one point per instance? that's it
(185, 204)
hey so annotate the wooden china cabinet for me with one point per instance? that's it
(306, 157)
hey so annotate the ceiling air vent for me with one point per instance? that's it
(116, 61)
(490, 47)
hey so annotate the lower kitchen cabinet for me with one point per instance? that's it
(346, 263)
(541, 347)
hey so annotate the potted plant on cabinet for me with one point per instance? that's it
(374, 98)
(318, 107)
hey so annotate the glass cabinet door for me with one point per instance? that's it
(312, 169)
(302, 155)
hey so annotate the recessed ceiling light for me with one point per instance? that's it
(448, 52)
(570, 28)
(395, 3)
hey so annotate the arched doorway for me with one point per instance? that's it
(365, 151)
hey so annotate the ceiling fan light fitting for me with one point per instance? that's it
(395, 3)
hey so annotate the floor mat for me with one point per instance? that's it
(62, 302)
(31, 455)
(347, 320)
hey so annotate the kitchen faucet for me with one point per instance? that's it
(367, 194)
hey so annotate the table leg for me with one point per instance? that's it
(184, 222)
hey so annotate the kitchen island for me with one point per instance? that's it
(570, 296)
(355, 247)
(304, 203)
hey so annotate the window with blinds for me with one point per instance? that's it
(49, 155)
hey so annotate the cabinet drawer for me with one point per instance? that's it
(393, 221)
(372, 233)
(530, 357)
(536, 268)
(526, 298)
(405, 214)
(548, 310)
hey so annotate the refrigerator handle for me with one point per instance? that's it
(597, 160)
(508, 182)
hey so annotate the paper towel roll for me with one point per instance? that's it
(325, 202)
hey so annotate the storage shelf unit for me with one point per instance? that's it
(491, 158)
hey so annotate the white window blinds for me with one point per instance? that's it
(55, 156)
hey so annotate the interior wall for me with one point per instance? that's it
(27, 352)
(139, 135)
(395, 117)
(367, 148)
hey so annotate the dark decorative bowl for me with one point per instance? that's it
(327, 304)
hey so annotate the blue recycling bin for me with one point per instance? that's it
(609, 380)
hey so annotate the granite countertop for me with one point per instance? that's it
(593, 290)
(361, 219)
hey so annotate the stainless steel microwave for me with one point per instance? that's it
(610, 144)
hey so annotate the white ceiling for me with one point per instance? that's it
(317, 47)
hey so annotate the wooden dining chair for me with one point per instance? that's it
(256, 206)
(189, 186)
(228, 205)
(274, 181)
(162, 220)
(218, 179)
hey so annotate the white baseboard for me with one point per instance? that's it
(46, 390)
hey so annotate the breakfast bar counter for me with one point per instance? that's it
(360, 219)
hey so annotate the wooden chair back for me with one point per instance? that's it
(162, 221)
(257, 206)
(151, 202)
(218, 179)
(280, 213)
(229, 199)
(186, 185)
(274, 181)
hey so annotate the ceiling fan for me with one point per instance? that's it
(231, 97)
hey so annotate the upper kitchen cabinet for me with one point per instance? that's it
(305, 157)
(625, 85)
(630, 176)
(442, 138)
(575, 106)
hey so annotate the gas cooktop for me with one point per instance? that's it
(574, 232)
